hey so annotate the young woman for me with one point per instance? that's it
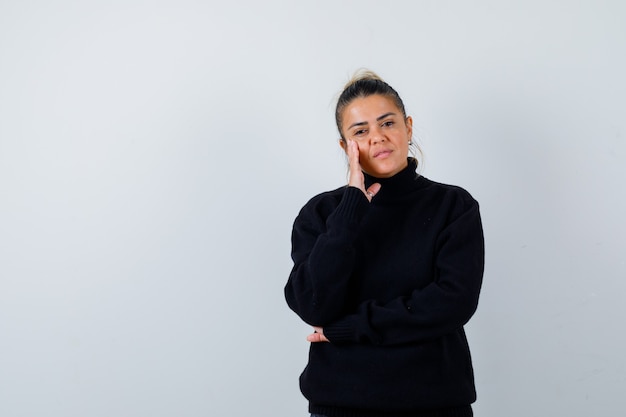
(387, 270)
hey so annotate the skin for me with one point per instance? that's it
(377, 140)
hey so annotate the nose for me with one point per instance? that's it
(376, 135)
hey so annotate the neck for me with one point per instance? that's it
(396, 186)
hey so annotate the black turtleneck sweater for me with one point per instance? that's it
(392, 283)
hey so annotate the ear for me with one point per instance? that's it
(409, 126)
(344, 145)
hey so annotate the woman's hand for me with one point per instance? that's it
(356, 178)
(317, 336)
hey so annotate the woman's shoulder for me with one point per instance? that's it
(324, 202)
(447, 192)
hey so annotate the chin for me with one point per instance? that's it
(381, 173)
(386, 171)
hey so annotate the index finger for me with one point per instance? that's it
(353, 153)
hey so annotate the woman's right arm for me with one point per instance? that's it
(323, 248)
(323, 255)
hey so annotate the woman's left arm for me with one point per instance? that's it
(439, 308)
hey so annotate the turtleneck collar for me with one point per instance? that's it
(397, 186)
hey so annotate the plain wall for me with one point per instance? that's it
(153, 156)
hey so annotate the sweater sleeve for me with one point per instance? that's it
(439, 308)
(323, 255)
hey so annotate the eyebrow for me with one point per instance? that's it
(378, 119)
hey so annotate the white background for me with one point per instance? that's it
(153, 155)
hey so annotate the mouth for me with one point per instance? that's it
(383, 153)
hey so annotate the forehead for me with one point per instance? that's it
(367, 109)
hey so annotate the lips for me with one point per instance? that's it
(382, 153)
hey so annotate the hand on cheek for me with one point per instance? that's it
(356, 178)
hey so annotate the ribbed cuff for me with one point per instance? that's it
(351, 208)
(341, 331)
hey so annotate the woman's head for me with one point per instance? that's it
(371, 113)
(364, 83)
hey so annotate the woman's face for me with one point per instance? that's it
(381, 132)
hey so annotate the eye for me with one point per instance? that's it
(360, 132)
(388, 123)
